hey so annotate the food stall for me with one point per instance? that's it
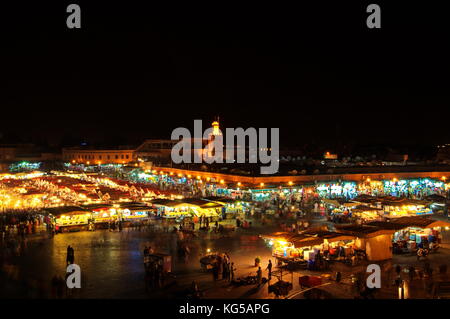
(302, 249)
(102, 214)
(374, 240)
(189, 207)
(232, 208)
(365, 213)
(338, 210)
(135, 211)
(401, 207)
(70, 218)
(413, 232)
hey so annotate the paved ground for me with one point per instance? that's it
(112, 267)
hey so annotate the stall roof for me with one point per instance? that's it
(403, 202)
(310, 238)
(279, 236)
(368, 199)
(364, 231)
(200, 203)
(365, 208)
(386, 225)
(224, 200)
(134, 206)
(417, 221)
(64, 210)
(97, 206)
(435, 198)
(332, 236)
(165, 202)
(300, 242)
(338, 202)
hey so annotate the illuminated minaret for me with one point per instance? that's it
(215, 132)
(215, 127)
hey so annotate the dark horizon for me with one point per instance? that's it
(137, 72)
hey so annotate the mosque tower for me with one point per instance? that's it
(215, 127)
(215, 132)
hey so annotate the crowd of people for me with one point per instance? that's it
(21, 223)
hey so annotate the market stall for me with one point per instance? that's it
(373, 240)
(189, 207)
(232, 208)
(70, 218)
(412, 233)
(363, 213)
(395, 207)
(134, 211)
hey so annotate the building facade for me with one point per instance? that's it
(98, 156)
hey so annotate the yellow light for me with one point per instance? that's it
(189, 176)
(88, 162)
(290, 183)
(239, 184)
(222, 181)
(261, 184)
(368, 179)
(179, 175)
(443, 178)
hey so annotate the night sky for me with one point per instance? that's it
(315, 71)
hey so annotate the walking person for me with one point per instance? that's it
(72, 255)
(186, 254)
(215, 272)
(68, 255)
(259, 276)
(226, 270)
(232, 269)
(269, 269)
